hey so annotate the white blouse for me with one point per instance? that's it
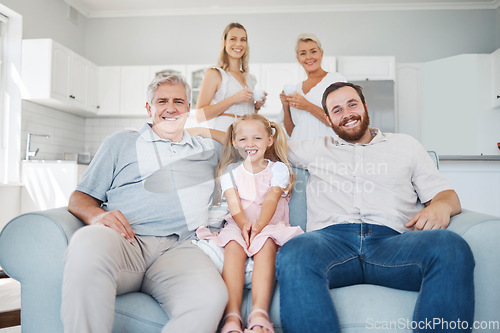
(307, 126)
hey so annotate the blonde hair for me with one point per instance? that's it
(276, 152)
(306, 37)
(223, 61)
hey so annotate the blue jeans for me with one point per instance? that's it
(436, 263)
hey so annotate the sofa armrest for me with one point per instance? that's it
(33, 243)
(482, 233)
(32, 248)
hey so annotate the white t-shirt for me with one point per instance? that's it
(279, 170)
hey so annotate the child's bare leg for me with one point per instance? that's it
(263, 278)
(233, 273)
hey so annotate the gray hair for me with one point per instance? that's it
(305, 37)
(167, 78)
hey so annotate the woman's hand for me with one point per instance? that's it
(298, 101)
(284, 100)
(244, 95)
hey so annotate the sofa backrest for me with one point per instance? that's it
(298, 202)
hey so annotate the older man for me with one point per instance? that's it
(367, 225)
(143, 196)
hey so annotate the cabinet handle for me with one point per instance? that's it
(498, 96)
(72, 96)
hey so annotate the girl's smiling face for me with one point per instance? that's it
(252, 141)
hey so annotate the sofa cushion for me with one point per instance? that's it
(298, 202)
(138, 312)
(361, 308)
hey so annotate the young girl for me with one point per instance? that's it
(256, 181)
(226, 90)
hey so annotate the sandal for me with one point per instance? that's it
(232, 326)
(259, 321)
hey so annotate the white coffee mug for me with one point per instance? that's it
(258, 95)
(289, 89)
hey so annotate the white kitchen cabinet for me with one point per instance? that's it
(61, 64)
(329, 64)
(273, 77)
(109, 91)
(367, 68)
(122, 89)
(134, 81)
(55, 76)
(495, 72)
(408, 99)
(79, 75)
(170, 69)
(195, 74)
(457, 117)
(477, 183)
(48, 184)
(93, 87)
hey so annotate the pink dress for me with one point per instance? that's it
(252, 189)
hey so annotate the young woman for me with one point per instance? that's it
(226, 90)
(303, 116)
(256, 181)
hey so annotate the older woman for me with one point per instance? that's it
(226, 90)
(303, 116)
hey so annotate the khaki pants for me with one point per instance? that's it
(101, 264)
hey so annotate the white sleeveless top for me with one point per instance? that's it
(229, 87)
(307, 126)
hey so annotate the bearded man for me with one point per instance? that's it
(377, 213)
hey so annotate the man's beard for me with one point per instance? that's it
(350, 136)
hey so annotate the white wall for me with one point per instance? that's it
(49, 19)
(10, 203)
(411, 36)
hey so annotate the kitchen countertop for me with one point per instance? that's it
(469, 157)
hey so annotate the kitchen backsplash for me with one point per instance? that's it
(68, 133)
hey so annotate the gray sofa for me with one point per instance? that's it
(32, 249)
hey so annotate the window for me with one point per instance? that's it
(10, 96)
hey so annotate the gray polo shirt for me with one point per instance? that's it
(161, 187)
(383, 182)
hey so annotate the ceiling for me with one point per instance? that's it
(132, 8)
